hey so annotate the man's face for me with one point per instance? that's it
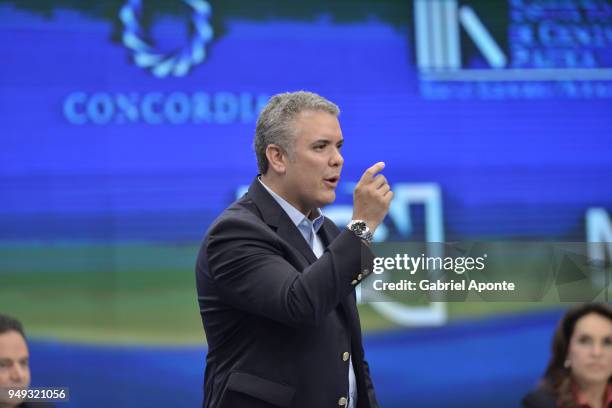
(14, 364)
(314, 167)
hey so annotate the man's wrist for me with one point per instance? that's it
(361, 229)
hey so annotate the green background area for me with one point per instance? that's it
(133, 293)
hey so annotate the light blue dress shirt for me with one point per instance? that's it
(309, 228)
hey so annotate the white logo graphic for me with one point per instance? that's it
(162, 64)
(438, 25)
(438, 41)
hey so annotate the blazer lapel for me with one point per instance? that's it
(274, 215)
(290, 233)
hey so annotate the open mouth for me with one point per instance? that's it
(333, 181)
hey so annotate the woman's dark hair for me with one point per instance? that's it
(7, 324)
(557, 377)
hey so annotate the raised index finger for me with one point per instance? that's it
(369, 173)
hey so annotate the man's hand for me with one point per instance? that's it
(372, 197)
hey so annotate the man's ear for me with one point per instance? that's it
(277, 158)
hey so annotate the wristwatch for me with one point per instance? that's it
(360, 228)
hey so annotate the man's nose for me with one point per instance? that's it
(18, 373)
(337, 159)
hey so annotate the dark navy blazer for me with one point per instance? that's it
(280, 322)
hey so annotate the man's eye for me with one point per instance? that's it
(319, 147)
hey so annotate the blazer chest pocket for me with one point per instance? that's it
(248, 390)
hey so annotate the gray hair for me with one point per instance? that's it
(275, 122)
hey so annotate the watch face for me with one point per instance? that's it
(359, 227)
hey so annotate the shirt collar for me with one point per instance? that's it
(294, 214)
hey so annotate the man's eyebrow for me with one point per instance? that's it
(327, 141)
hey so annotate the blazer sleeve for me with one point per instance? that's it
(246, 264)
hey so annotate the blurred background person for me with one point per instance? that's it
(579, 370)
(14, 362)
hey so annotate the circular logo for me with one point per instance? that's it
(162, 64)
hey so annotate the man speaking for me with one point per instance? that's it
(276, 279)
